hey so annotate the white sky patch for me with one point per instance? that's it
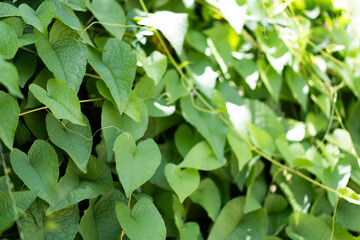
(252, 80)
(297, 133)
(239, 116)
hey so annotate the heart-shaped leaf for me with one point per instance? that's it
(143, 222)
(135, 164)
(9, 118)
(183, 182)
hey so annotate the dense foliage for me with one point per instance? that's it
(179, 119)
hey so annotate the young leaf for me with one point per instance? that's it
(9, 118)
(240, 148)
(185, 139)
(9, 77)
(65, 14)
(110, 14)
(8, 10)
(208, 196)
(144, 222)
(63, 54)
(201, 157)
(154, 65)
(135, 164)
(174, 86)
(38, 170)
(39, 19)
(35, 224)
(74, 139)
(99, 220)
(183, 182)
(117, 68)
(8, 41)
(60, 99)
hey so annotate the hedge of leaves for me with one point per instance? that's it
(179, 119)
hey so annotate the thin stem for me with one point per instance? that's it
(92, 75)
(45, 107)
(122, 230)
(333, 219)
(28, 50)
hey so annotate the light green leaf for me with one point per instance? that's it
(99, 220)
(174, 86)
(39, 19)
(183, 182)
(143, 222)
(135, 164)
(349, 195)
(240, 148)
(172, 25)
(154, 65)
(72, 189)
(74, 139)
(114, 124)
(35, 224)
(271, 79)
(201, 157)
(60, 99)
(77, 5)
(298, 86)
(38, 170)
(159, 108)
(9, 118)
(262, 139)
(117, 68)
(28, 39)
(9, 77)
(204, 123)
(190, 231)
(16, 23)
(348, 215)
(110, 14)
(65, 14)
(8, 41)
(63, 54)
(20, 202)
(248, 70)
(228, 219)
(305, 227)
(342, 139)
(185, 139)
(26, 65)
(208, 196)
(8, 10)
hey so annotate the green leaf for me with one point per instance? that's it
(252, 226)
(28, 39)
(201, 157)
(262, 139)
(110, 14)
(114, 124)
(174, 86)
(203, 122)
(63, 54)
(135, 164)
(26, 65)
(35, 224)
(172, 25)
(10, 78)
(77, 5)
(143, 222)
(38, 170)
(12, 206)
(74, 139)
(9, 118)
(99, 220)
(342, 139)
(271, 79)
(190, 231)
(8, 41)
(154, 65)
(185, 139)
(17, 24)
(60, 99)
(298, 86)
(117, 68)
(228, 219)
(8, 10)
(305, 226)
(39, 19)
(66, 15)
(347, 215)
(208, 196)
(72, 189)
(183, 182)
(248, 70)
(240, 148)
